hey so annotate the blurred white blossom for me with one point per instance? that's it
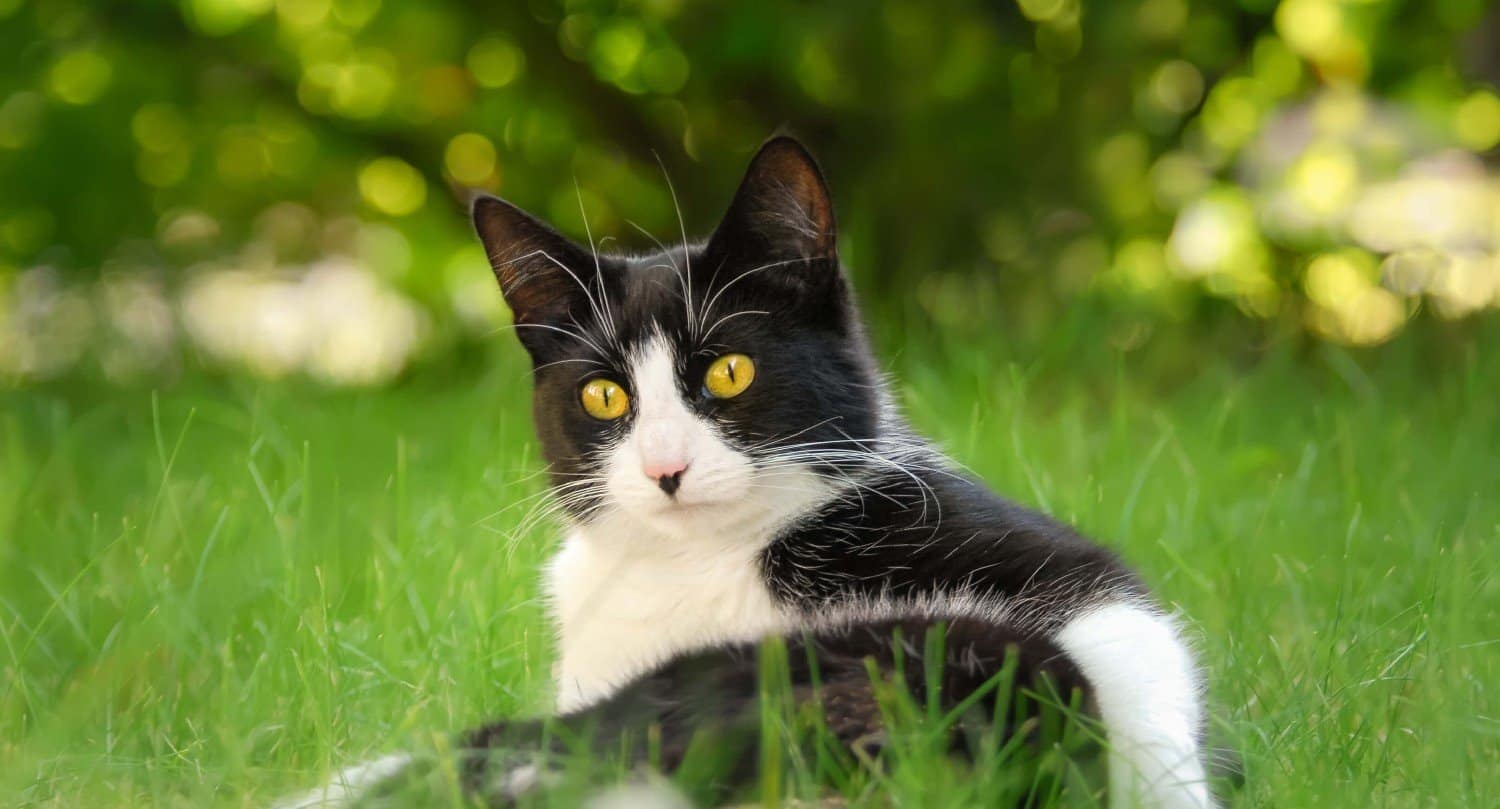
(138, 318)
(334, 320)
(45, 326)
(1390, 215)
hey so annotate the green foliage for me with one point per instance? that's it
(989, 159)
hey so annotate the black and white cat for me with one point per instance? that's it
(732, 466)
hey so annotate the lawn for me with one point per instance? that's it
(213, 593)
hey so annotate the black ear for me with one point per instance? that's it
(782, 211)
(541, 272)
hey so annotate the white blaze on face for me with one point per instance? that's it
(668, 439)
(717, 489)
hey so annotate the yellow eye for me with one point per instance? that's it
(604, 400)
(729, 376)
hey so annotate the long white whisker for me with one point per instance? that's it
(730, 316)
(560, 330)
(588, 293)
(710, 305)
(712, 281)
(834, 457)
(546, 365)
(609, 320)
(668, 253)
(687, 255)
(789, 436)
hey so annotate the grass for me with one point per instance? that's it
(215, 593)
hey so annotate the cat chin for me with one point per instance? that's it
(679, 510)
(717, 521)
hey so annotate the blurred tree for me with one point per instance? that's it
(987, 156)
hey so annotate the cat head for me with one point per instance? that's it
(703, 389)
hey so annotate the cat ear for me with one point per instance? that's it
(782, 211)
(539, 269)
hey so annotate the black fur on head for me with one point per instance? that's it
(767, 284)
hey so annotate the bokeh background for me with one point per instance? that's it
(1215, 281)
(274, 187)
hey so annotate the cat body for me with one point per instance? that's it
(731, 466)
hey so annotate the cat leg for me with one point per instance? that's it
(1148, 695)
(349, 784)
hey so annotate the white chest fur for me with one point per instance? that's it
(620, 608)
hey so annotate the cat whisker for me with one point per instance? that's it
(709, 305)
(608, 321)
(544, 366)
(731, 316)
(804, 430)
(588, 293)
(687, 257)
(834, 455)
(560, 330)
(668, 253)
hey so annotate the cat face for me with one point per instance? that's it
(704, 390)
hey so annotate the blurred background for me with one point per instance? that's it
(274, 187)
(1216, 281)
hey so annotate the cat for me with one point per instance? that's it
(732, 466)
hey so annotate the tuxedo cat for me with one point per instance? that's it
(732, 466)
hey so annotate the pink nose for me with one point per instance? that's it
(667, 474)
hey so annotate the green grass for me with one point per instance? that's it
(215, 593)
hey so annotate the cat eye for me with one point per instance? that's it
(729, 376)
(603, 399)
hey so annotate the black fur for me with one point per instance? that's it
(931, 532)
(768, 284)
(715, 697)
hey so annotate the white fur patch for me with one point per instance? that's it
(665, 430)
(349, 784)
(519, 780)
(656, 576)
(1147, 689)
(622, 608)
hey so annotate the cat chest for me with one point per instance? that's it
(619, 614)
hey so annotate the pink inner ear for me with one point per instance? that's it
(784, 201)
(792, 189)
(537, 267)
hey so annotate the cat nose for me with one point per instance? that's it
(667, 475)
